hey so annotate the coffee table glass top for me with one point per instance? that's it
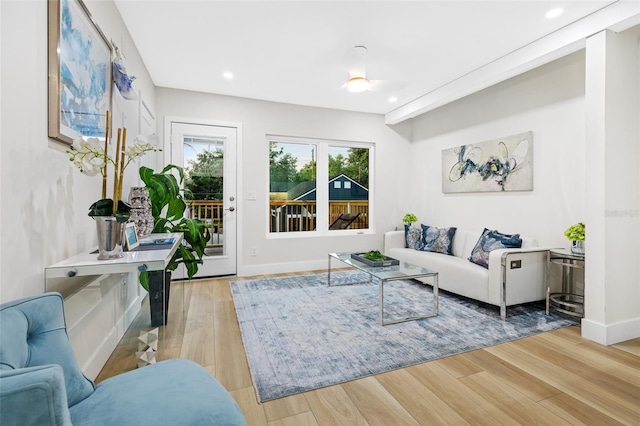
(396, 272)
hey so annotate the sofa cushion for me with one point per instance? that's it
(492, 240)
(438, 240)
(412, 236)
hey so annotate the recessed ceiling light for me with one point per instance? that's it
(554, 13)
(393, 99)
(228, 75)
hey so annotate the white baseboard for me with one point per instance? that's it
(280, 268)
(610, 334)
(93, 365)
(132, 310)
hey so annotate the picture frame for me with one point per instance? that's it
(498, 165)
(80, 73)
(131, 236)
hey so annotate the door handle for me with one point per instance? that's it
(231, 208)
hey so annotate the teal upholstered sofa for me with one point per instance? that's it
(41, 383)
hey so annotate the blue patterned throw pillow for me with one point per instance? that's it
(437, 240)
(411, 236)
(492, 240)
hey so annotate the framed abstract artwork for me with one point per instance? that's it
(504, 164)
(79, 73)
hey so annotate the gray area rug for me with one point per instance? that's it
(299, 334)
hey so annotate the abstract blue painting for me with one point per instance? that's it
(504, 164)
(84, 73)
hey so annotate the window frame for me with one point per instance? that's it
(322, 186)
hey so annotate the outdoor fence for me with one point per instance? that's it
(286, 215)
(290, 216)
(211, 213)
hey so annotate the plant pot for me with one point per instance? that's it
(109, 237)
(159, 297)
(577, 247)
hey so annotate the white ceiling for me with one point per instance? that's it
(294, 51)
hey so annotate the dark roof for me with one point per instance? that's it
(300, 189)
(291, 195)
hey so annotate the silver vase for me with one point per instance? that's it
(577, 247)
(109, 237)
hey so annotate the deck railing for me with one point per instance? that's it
(290, 216)
(211, 213)
(286, 215)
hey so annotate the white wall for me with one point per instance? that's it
(549, 101)
(43, 216)
(613, 201)
(259, 118)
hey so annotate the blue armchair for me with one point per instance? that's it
(41, 383)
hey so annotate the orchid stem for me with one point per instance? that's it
(104, 170)
(116, 172)
(122, 164)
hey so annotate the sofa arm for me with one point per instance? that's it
(517, 276)
(393, 239)
(33, 396)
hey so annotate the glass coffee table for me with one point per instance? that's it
(384, 274)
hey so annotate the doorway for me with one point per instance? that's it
(208, 156)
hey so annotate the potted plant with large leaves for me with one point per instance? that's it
(168, 207)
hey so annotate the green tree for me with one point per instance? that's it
(205, 176)
(307, 173)
(282, 169)
(357, 167)
(336, 165)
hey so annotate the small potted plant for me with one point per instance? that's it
(409, 218)
(374, 255)
(575, 234)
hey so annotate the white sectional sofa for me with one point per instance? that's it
(514, 276)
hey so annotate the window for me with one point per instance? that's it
(292, 186)
(316, 183)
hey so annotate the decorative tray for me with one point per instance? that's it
(387, 261)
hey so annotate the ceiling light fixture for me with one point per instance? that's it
(554, 13)
(393, 99)
(228, 75)
(357, 84)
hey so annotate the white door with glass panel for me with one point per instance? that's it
(208, 155)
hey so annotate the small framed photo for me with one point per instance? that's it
(130, 236)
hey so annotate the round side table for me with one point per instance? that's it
(568, 301)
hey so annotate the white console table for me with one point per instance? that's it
(102, 297)
(87, 264)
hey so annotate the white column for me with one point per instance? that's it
(612, 108)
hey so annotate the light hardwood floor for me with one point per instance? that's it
(554, 378)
